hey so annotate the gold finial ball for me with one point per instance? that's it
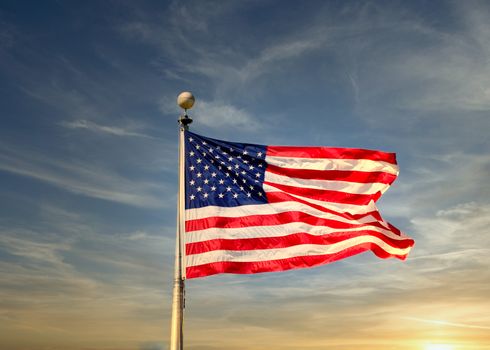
(186, 100)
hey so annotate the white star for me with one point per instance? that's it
(239, 157)
(259, 154)
(251, 188)
(260, 194)
(237, 166)
(218, 148)
(212, 161)
(230, 159)
(229, 167)
(228, 189)
(206, 167)
(213, 174)
(243, 172)
(199, 174)
(249, 195)
(216, 156)
(199, 189)
(191, 153)
(205, 195)
(191, 168)
(227, 174)
(223, 163)
(221, 181)
(257, 175)
(235, 195)
(251, 167)
(245, 152)
(241, 187)
(221, 195)
(191, 139)
(192, 182)
(213, 188)
(204, 143)
(260, 165)
(211, 150)
(204, 154)
(245, 161)
(244, 181)
(199, 160)
(192, 197)
(234, 181)
(197, 146)
(206, 181)
(257, 181)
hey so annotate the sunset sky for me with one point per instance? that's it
(88, 168)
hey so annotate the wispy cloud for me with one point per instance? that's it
(34, 250)
(435, 72)
(72, 273)
(216, 115)
(105, 129)
(446, 323)
(81, 178)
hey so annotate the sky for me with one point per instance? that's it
(88, 168)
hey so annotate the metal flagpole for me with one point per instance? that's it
(186, 101)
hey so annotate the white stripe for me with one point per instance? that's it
(333, 164)
(268, 209)
(341, 207)
(344, 186)
(289, 252)
(277, 231)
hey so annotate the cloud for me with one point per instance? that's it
(216, 115)
(94, 127)
(72, 276)
(436, 71)
(231, 69)
(422, 190)
(445, 323)
(452, 231)
(37, 251)
(80, 178)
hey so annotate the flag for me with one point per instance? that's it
(253, 208)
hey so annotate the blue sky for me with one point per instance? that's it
(88, 167)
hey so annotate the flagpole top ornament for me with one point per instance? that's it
(185, 100)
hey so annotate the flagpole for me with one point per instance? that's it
(186, 101)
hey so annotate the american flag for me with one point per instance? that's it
(253, 208)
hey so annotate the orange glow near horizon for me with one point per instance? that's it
(439, 347)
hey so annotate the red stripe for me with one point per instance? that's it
(327, 195)
(288, 241)
(329, 152)
(270, 220)
(334, 175)
(278, 197)
(284, 264)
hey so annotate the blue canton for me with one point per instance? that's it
(220, 173)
